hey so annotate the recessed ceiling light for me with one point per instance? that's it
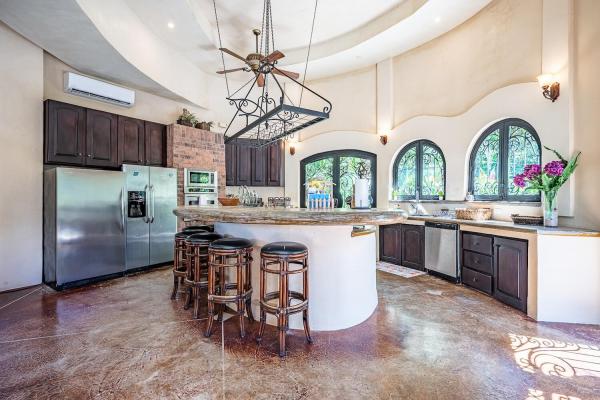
(437, 19)
(170, 25)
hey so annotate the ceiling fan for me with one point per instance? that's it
(259, 64)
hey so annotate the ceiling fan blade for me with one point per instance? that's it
(289, 74)
(231, 70)
(274, 56)
(231, 53)
(260, 81)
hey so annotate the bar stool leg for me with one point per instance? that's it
(247, 286)
(305, 292)
(263, 314)
(283, 303)
(240, 290)
(222, 288)
(189, 265)
(175, 277)
(196, 289)
(211, 290)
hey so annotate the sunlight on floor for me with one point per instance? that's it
(539, 395)
(555, 358)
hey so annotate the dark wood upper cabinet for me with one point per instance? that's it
(243, 164)
(510, 272)
(155, 143)
(413, 246)
(390, 238)
(230, 164)
(131, 141)
(64, 139)
(101, 139)
(276, 164)
(259, 166)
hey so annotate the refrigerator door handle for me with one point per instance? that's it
(146, 218)
(153, 192)
(123, 209)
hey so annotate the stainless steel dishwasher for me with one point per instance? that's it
(441, 249)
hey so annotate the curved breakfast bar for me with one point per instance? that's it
(342, 273)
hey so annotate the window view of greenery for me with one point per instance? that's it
(320, 170)
(432, 180)
(420, 167)
(348, 174)
(522, 150)
(486, 170)
(406, 174)
(342, 168)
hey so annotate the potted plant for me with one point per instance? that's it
(205, 125)
(187, 118)
(548, 180)
(441, 195)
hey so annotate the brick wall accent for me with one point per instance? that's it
(195, 148)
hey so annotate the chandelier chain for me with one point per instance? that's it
(220, 46)
(308, 52)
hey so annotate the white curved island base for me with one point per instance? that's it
(341, 271)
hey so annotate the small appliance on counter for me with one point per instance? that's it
(150, 225)
(361, 194)
(200, 188)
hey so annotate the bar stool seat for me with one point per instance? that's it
(207, 228)
(197, 267)
(235, 255)
(283, 259)
(179, 255)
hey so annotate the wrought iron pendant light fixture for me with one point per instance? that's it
(266, 111)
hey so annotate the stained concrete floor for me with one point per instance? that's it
(428, 339)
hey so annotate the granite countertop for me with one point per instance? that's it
(291, 216)
(507, 225)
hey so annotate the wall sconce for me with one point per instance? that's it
(383, 139)
(292, 150)
(550, 88)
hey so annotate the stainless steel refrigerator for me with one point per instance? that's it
(150, 225)
(84, 225)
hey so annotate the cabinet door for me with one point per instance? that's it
(510, 272)
(413, 246)
(101, 139)
(276, 164)
(390, 237)
(64, 133)
(230, 164)
(259, 165)
(155, 144)
(244, 164)
(131, 141)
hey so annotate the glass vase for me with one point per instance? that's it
(550, 209)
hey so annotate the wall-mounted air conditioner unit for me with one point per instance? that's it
(94, 89)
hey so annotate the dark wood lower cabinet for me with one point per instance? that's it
(413, 246)
(510, 272)
(390, 238)
(497, 266)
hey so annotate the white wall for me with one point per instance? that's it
(454, 135)
(21, 113)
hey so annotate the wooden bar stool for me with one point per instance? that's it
(196, 270)
(179, 254)
(226, 255)
(277, 258)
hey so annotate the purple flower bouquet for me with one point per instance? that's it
(547, 180)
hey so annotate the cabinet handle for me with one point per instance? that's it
(89, 155)
(476, 244)
(475, 279)
(80, 154)
(477, 261)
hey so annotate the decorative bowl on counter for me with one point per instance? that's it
(229, 201)
(526, 219)
(474, 213)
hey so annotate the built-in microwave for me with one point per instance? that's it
(198, 178)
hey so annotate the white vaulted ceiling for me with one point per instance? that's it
(130, 41)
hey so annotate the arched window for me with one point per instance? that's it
(499, 154)
(419, 169)
(341, 168)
